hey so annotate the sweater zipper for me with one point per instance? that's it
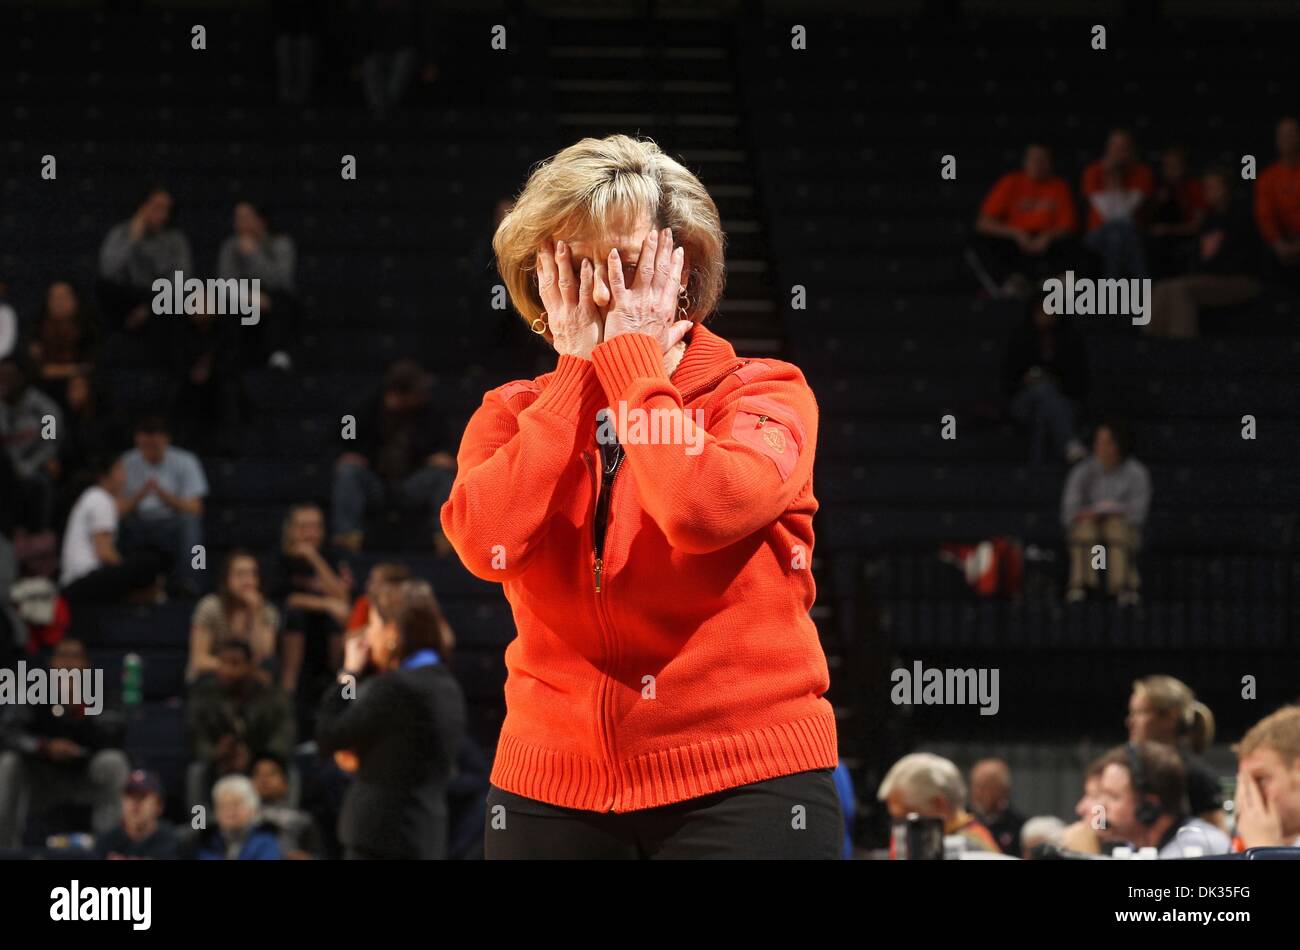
(607, 640)
(601, 522)
(600, 525)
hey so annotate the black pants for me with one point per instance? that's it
(136, 570)
(794, 817)
(1003, 257)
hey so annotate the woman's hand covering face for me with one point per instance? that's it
(649, 305)
(573, 318)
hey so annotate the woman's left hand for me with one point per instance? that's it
(649, 306)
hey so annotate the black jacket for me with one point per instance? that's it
(405, 727)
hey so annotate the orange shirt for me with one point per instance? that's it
(696, 666)
(1277, 202)
(1138, 178)
(1034, 206)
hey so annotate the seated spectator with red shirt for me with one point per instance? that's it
(1117, 187)
(1277, 204)
(1026, 223)
(1177, 212)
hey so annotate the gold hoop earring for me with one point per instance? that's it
(684, 309)
(538, 325)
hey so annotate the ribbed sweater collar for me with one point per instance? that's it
(707, 355)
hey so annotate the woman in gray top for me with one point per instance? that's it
(1105, 503)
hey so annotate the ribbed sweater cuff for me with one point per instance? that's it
(624, 359)
(573, 391)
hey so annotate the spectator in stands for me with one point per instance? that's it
(135, 253)
(92, 568)
(1039, 831)
(163, 503)
(312, 589)
(990, 801)
(396, 38)
(240, 833)
(1177, 212)
(30, 422)
(297, 48)
(1081, 835)
(233, 715)
(385, 572)
(1144, 794)
(53, 755)
(1116, 187)
(207, 398)
(1105, 502)
(931, 786)
(1026, 225)
(237, 611)
(8, 323)
(1045, 377)
(1277, 204)
(62, 347)
(1268, 781)
(1165, 710)
(1222, 267)
(141, 835)
(401, 455)
(90, 431)
(257, 252)
(404, 724)
(299, 837)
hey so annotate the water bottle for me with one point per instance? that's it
(132, 682)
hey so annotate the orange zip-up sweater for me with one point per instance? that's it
(684, 660)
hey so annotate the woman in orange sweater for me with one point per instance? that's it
(665, 687)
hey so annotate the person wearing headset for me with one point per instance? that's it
(1143, 791)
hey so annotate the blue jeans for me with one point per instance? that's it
(1120, 246)
(357, 487)
(1049, 415)
(174, 536)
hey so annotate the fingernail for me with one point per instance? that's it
(560, 247)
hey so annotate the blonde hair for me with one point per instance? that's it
(1195, 722)
(1279, 731)
(595, 185)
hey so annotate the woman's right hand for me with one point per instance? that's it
(576, 325)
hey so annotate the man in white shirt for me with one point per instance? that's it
(91, 567)
(1268, 781)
